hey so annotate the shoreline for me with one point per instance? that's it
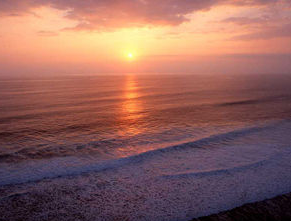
(179, 183)
(273, 209)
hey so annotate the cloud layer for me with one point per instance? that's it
(267, 33)
(112, 14)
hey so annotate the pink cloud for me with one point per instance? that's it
(47, 33)
(112, 14)
(246, 20)
(283, 31)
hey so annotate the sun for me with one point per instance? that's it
(130, 55)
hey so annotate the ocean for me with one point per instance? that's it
(162, 129)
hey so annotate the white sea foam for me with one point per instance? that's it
(30, 171)
(174, 183)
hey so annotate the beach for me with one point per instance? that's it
(175, 183)
(275, 209)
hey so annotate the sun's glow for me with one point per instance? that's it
(130, 55)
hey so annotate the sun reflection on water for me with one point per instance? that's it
(131, 107)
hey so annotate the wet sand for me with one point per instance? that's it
(36, 206)
(275, 209)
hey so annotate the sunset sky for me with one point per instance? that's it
(110, 36)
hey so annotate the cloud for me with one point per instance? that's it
(47, 33)
(283, 31)
(134, 13)
(246, 20)
(112, 14)
(17, 7)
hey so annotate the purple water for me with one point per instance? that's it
(117, 116)
(144, 147)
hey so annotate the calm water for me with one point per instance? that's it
(116, 116)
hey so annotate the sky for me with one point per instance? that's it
(45, 37)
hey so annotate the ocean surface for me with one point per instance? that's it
(112, 117)
(163, 128)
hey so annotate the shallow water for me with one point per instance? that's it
(178, 182)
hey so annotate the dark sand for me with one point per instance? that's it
(24, 206)
(277, 209)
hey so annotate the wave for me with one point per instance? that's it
(102, 145)
(102, 99)
(256, 101)
(69, 166)
(218, 172)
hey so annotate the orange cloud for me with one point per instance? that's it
(282, 31)
(112, 14)
(47, 33)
